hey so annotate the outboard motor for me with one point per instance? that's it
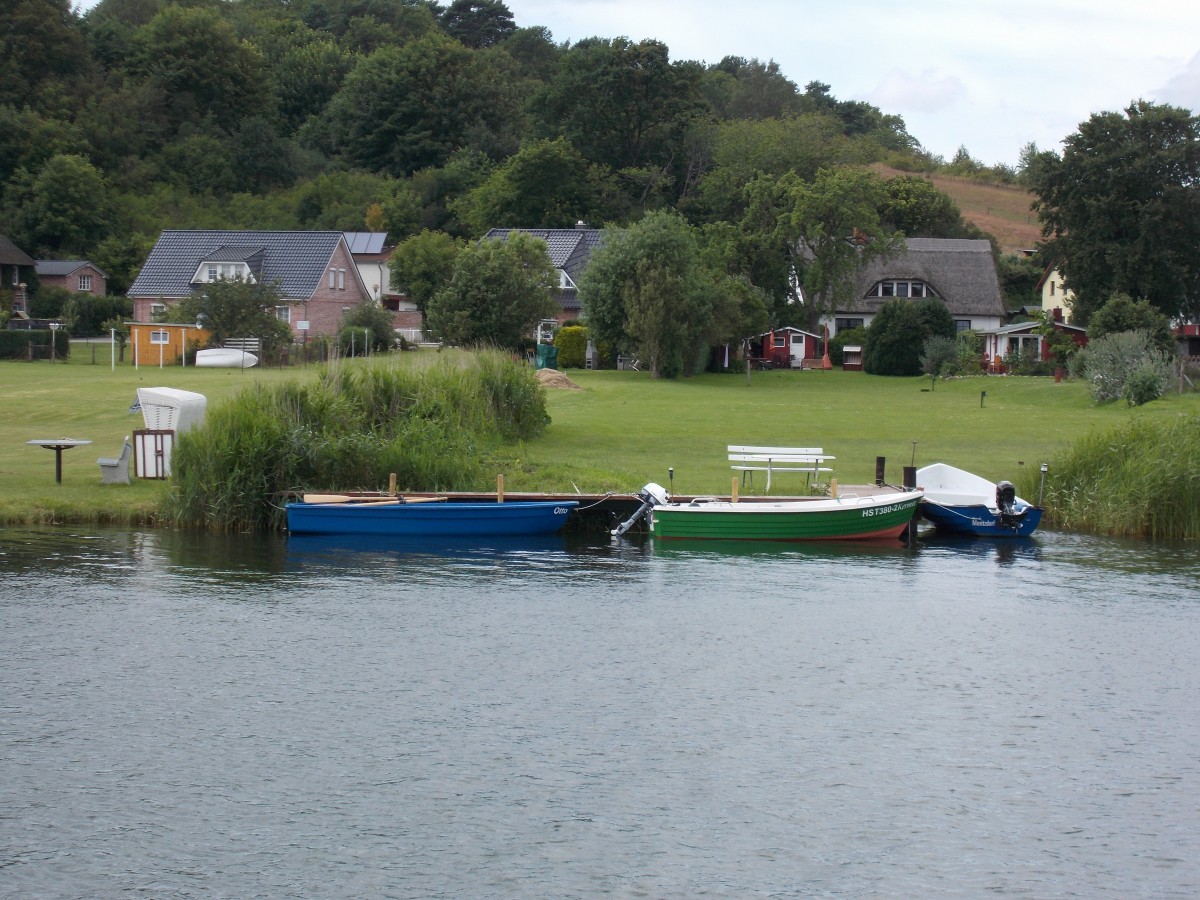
(652, 495)
(1006, 502)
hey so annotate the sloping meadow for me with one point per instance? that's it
(432, 424)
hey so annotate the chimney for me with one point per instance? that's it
(581, 225)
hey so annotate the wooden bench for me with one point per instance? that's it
(749, 460)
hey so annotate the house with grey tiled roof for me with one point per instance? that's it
(960, 273)
(570, 249)
(76, 275)
(314, 270)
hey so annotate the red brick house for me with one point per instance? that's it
(316, 273)
(75, 275)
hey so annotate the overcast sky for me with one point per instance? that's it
(990, 76)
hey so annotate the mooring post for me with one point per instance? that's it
(880, 462)
(910, 482)
(500, 488)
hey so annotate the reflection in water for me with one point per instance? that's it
(203, 715)
(1005, 550)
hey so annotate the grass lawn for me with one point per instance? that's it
(620, 431)
(624, 429)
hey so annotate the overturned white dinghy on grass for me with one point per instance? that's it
(226, 357)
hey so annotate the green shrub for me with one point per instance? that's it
(1112, 360)
(432, 425)
(572, 347)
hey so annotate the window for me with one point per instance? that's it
(85, 283)
(962, 324)
(779, 339)
(332, 279)
(1052, 289)
(159, 336)
(284, 314)
(902, 289)
(844, 324)
(157, 310)
(16, 276)
(341, 279)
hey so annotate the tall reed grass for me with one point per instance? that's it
(433, 424)
(1140, 480)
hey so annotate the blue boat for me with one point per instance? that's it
(957, 502)
(427, 517)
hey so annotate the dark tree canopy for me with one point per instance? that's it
(1122, 208)
(478, 23)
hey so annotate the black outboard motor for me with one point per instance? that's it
(1006, 502)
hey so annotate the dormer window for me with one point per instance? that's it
(564, 280)
(222, 271)
(901, 288)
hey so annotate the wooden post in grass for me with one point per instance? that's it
(500, 488)
(392, 484)
(733, 492)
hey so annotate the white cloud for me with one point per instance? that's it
(1184, 88)
(925, 91)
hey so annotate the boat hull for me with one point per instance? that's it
(450, 518)
(819, 519)
(960, 502)
(224, 358)
(980, 520)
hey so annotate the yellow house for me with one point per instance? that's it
(1054, 295)
(163, 343)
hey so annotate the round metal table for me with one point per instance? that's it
(58, 445)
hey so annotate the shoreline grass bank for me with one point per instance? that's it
(620, 431)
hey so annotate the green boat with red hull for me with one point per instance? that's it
(846, 518)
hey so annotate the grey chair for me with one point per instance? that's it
(115, 470)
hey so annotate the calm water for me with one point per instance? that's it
(187, 716)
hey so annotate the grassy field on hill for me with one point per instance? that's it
(620, 430)
(1001, 210)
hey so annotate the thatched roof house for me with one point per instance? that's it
(961, 273)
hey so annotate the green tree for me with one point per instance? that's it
(646, 289)
(423, 264)
(622, 104)
(829, 229)
(900, 334)
(62, 210)
(478, 23)
(915, 207)
(43, 54)
(195, 57)
(498, 292)
(370, 324)
(1122, 209)
(545, 185)
(1121, 313)
(235, 309)
(406, 108)
(938, 355)
(895, 340)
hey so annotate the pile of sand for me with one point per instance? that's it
(552, 378)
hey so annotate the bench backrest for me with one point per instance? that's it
(740, 453)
